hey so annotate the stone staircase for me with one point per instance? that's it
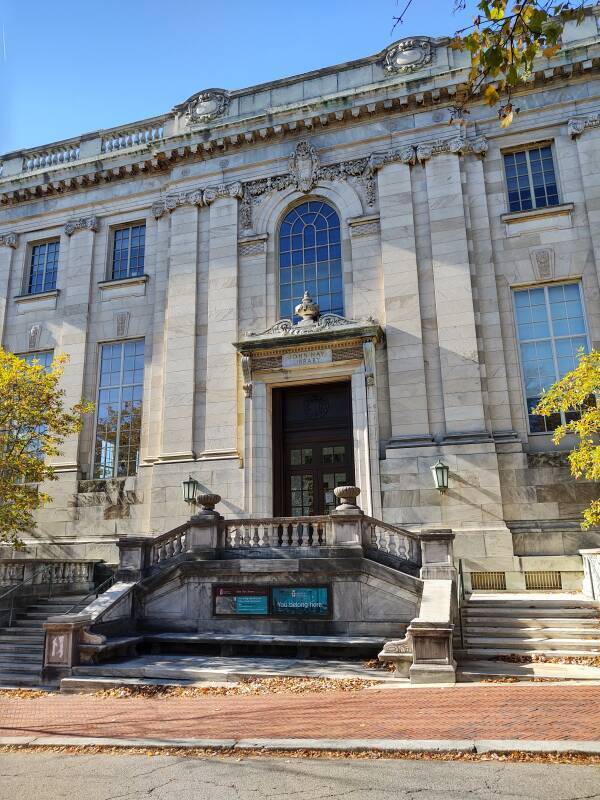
(541, 624)
(22, 645)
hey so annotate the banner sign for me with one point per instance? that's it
(242, 600)
(300, 601)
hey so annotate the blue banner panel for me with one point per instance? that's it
(242, 600)
(301, 601)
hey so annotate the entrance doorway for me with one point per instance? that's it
(312, 448)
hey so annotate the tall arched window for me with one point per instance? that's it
(310, 258)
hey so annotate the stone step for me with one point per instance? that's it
(591, 623)
(476, 671)
(20, 634)
(20, 666)
(34, 624)
(533, 643)
(484, 653)
(226, 668)
(12, 679)
(531, 613)
(475, 631)
(19, 647)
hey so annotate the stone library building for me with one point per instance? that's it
(315, 317)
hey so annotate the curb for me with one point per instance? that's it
(478, 747)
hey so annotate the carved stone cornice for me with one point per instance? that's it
(81, 224)
(458, 145)
(576, 127)
(232, 190)
(196, 197)
(9, 240)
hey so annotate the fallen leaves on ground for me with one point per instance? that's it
(583, 759)
(375, 663)
(587, 661)
(22, 694)
(252, 686)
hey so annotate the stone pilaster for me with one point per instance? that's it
(496, 381)
(180, 337)
(463, 400)
(587, 134)
(75, 290)
(221, 359)
(406, 369)
(8, 244)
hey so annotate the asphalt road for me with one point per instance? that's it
(51, 776)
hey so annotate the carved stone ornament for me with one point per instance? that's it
(8, 240)
(408, 55)
(304, 165)
(233, 190)
(121, 324)
(247, 372)
(208, 105)
(458, 145)
(33, 339)
(81, 224)
(542, 260)
(576, 127)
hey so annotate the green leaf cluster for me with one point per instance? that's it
(33, 426)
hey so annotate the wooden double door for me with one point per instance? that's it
(312, 448)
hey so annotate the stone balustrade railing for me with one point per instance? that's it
(390, 540)
(167, 546)
(14, 572)
(54, 157)
(275, 532)
(131, 137)
(591, 573)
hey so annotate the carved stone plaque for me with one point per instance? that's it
(306, 359)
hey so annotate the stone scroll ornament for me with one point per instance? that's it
(208, 105)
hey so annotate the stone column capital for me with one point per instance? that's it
(9, 240)
(576, 127)
(81, 224)
(458, 146)
(226, 190)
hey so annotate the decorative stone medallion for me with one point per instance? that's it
(408, 55)
(208, 105)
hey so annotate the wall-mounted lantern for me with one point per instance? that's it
(190, 488)
(440, 472)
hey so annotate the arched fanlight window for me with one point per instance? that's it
(310, 258)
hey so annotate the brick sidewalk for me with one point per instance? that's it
(465, 712)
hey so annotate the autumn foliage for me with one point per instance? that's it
(33, 426)
(579, 390)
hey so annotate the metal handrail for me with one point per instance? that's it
(13, 591)
(97, 590)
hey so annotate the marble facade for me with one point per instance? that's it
(430, 257)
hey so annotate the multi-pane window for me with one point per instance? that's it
(43, 267)
(119, 409)
(128, 252)
(42, 357)
(310, 258)
(530, 179)
(552, 332)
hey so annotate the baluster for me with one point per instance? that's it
(310, 531)
(255, 537)
(393, 548)
(267, 538)
(280, 536)
(402, 550)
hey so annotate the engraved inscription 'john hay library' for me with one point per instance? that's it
(317, 283)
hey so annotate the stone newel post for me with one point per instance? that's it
(346, 519)
(202, 537)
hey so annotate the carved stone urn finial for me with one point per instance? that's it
(348, 495)
(308, 310)
(208, 503)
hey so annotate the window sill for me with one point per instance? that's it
(124, 287)
(538, 218)
(37, 302)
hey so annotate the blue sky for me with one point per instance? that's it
(70, 67)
